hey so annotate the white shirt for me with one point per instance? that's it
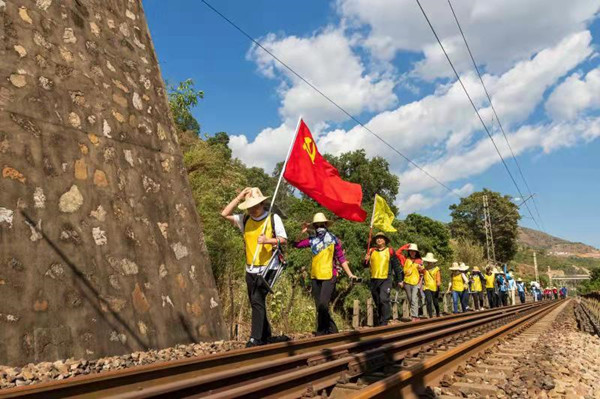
(279, 232)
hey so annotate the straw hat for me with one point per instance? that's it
(463, 267)
(253, 198)
(454, 266)
(382, 235)
(519, 280)
(429, 258)
(413, 247)
(496, 271)
(475, 269)
(321, 218)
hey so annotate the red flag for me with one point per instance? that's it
(309, 172)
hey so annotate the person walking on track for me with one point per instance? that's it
(326, 250)
(490, 278)
(477, 280)
(464, 269)
(432, 281)
(263, 234)
(457, 284)
(411, 266)
(521, 290)
(382, 262)
(502, 288)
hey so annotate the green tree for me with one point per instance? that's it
(468, 223)
(182, 99)
(372, 174)
(593, 284)
(220, 139)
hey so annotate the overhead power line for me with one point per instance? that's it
(258, 44)
(473, 105)
(495, 113)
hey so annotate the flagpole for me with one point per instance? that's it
(371, 227)
(287, 157)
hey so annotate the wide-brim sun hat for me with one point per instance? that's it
(320, 217)
(463, 267)
(381, 234)
(253, 198)
(454, 267)
(413, 247)
(495, 271)
(519, 280)
(475, 268)
(429, 258)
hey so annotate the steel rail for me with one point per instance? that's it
(411, 383)
(299, 382)
(133, 381)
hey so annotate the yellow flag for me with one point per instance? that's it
(382, 215)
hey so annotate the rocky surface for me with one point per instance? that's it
(67, 368)
(562, 363)
(101, 249)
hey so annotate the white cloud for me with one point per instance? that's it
(416, 202)
(482, 155)
(327, 60)
(266, 150)
(575, 95)
(527, 50)
(440, 126)
(500, 32)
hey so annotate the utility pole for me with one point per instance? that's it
(535, 266)
(489, 237)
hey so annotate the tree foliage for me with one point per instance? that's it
(182, 99)
(468, 222)
(372, 174)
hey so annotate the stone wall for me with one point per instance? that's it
(101, 249)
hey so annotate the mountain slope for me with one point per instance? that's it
(535, 239)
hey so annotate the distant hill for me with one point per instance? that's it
(555, 246)
(562, 256)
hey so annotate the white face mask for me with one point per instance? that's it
(321, 231)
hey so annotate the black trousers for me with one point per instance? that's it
(380, 289)
(503, 298)
(322, 290)
(257, 293)
(491, 297)
(477, 299)
(432, 301)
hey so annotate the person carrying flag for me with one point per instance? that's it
(382, 262)
(412, 265)
(325, 248)
(432, 281)
(260, 241)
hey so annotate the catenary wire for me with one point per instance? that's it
(495, 113)
(473, 105)
(258, 44)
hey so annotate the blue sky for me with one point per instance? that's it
(381, 63)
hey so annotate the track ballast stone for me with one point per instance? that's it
(551, 359)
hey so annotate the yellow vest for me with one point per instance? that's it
(411, 272)
(429, 278)
(252, 231)
(489, 280)
(457, 283)
(476, 286)
(380, 263)
(322, 264)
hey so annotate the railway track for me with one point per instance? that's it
(338, 365)
(587, 313)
